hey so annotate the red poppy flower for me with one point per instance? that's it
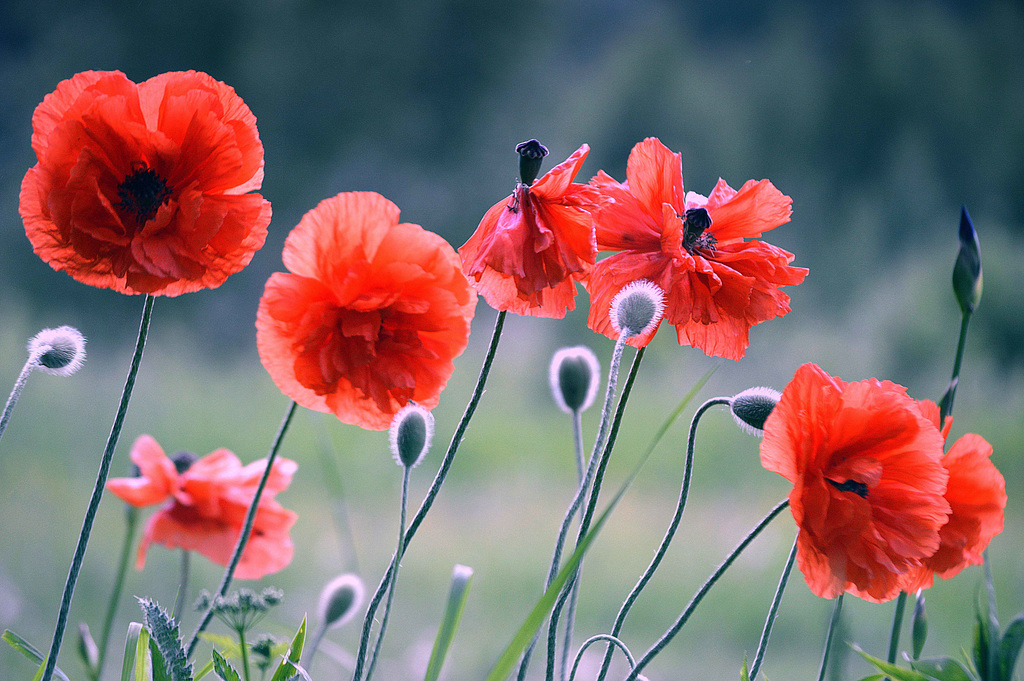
(144, 188)
(531, 248)
(868, 482)
(370, 316)
(976, 493)
(206, 505)
(717, 283)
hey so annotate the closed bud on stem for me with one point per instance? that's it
(967, 278)
(87, 648)
(637, 309)
(919, 628)
(340, 599)
(751, 408)
(574, 376)
(412, 429)
(531, 155)
(59, 351)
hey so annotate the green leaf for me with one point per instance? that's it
(132, 650)
(164, 634)
(204, 670)
(1009, 647)
(462, 577)
(289, 665)
(892, 671)
(31, 652)
(160, 672)
(744, 672)
(223, 668)
(227, 644)
(943, 669)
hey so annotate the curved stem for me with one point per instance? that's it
(669, 533)
(667, 637)
(837, 610)
(243, 537)
(773, 611)
(131, 518)
(612, 643)
(97, 491)
(30, 365)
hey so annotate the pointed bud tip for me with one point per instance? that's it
(574, 375)
(59, 351)
(637, 309)
(411, 432)
(752, 407)
(967, 274)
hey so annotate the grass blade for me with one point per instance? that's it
(462, 577)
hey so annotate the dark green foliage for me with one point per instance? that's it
(165, 639)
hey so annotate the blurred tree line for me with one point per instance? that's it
(879, 118)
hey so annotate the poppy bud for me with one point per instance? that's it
(967, 279)
(59, 351)
(637, 308)
(919, 628)
(339, 600)
(411, 432)
(751, 408)
(531, 155)
(574, 376)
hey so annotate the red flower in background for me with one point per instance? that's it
(144, 188)
(717, 283)
(370, 315)
(206, 505)
(868, 481)
(976, 493)
(531, 248)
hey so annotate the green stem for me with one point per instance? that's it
(897, 626)
(97, 492)
(947, 404)
(612, 643)
(244, 652)
(667, 637)
(179, 599)
(131, 518)
(773, 611)
(837, 610)
(19, 385)
(243, 537)
(570, 616)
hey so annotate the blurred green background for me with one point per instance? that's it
(879, 118)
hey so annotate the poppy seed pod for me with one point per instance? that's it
(531, 155)
(411, 432)
(340, 599)
(59, 351)
(637, 309)
(574, 376)
(751, 408)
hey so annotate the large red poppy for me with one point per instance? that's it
(868, 481)
(718, 279)
(370, 315)
(531, 248)
(145, 188)
(206, 504)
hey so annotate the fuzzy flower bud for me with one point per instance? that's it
(751, 408)
(411, 432)
(967, 278)
(637, 309)
(340, 599)
(59, 351)
(574, 376)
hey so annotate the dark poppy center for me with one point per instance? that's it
(183, 461)
(858, 488)
(142, 193)
(695, 222)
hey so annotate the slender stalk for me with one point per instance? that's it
(570, 617)
(179, 599)
(243, 537)
(131, 519)
(612, 643)
(897, 626)
(773, 611)
(669, 533)
(947, 404)
(30, 365)
(667, 637)
(97, 491)
(837, 610)
(244, 652)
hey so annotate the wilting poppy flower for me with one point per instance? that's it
(370, 315)
(868, 481)
(717, 283)
(976, 493)
(531, 248)
(145, 188)
(205, 504)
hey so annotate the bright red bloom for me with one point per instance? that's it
(143, 188)
(976, 493)
(868, 481)
(206, 507)
(370, 316)
(717, 284)
(531, 248)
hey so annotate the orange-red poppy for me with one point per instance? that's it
(370, 315)
(145, 188)
(976, 493)
(205, 506)
(868, 481)
(531, 248)
(718, 279)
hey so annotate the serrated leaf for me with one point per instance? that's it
(1010, 645)
(462, 577)
(943, 669)
(163, 631)
(289, 665)
(160, 672)
(29, 651)
(223, 668)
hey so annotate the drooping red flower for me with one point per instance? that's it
(719, 281)
(868, 481)
(976, 493)
(205, 506)
(145, 188)
(370, 315)
(531, 248)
